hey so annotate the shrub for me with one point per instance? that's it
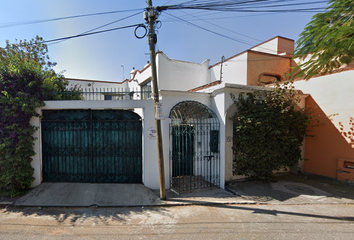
(26, 80)
(269, 129)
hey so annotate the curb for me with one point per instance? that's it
(5, 204)
(172, 204)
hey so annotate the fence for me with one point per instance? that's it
(100, 94)
(194, 147)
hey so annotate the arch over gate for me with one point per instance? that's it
(194, 147)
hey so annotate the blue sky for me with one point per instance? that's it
(101, 56)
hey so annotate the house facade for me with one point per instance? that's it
(108, 133)
(330, 149)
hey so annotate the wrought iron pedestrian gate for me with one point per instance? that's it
(194, 147)
(97, 146)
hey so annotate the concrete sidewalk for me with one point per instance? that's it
(296, 189)
(289, 189)
(87, 194)
(116, 195)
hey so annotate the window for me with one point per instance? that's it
(146, 90)
(266, 78)
(107, 97)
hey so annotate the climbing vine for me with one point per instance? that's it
(269, 129)
(349, 135)
(26, 80)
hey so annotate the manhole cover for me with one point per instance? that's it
(299, 189)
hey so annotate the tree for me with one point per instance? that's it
(26, 80)
(327, 41)
(269, 129)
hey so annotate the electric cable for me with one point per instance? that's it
(285, 5)
(226, 17)
(208, 30)
(105, 25)
(91, 33)
(13, 24)
(222, 27)
(219, 34)
(242, 6)
(230, 6)
(140, 26)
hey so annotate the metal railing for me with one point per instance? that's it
(100, 94)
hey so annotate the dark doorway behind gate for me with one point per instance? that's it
(182, 150)
(194, 147)
(96, 146)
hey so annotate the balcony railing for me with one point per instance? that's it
(100, 94)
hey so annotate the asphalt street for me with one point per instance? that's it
(294, 207)
(237, 221)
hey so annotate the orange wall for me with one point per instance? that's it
(285, 45)
(259, 63)
(324, 149)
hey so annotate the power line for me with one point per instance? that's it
(208, 30)
(229, 6)
(91, 33)
(219, 34)
(315, 9)
(222, 27)
(285, 5)
(235, 3)
(226, 17)
(5, 25)
(243, 6)
(105, 25)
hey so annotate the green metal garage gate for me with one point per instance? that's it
(96, 146)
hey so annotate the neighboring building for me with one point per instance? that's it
(109, 134)
(328, 152)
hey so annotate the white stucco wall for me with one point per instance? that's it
(234, 70)
(277, 45)
(333, 93)
(141, 76)
(36, 162)
(180, 76)
(219, 101)
(270, 46)
(150, 169)
(219, 109)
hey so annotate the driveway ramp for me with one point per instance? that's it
(88, 194)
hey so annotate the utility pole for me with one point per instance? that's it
(151, 15)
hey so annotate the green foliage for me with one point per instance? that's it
(26, 80)
(327, 41)
(348, 134)
(269, 129)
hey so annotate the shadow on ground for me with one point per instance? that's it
(295, 189)
(92, 215)
(288, 189)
